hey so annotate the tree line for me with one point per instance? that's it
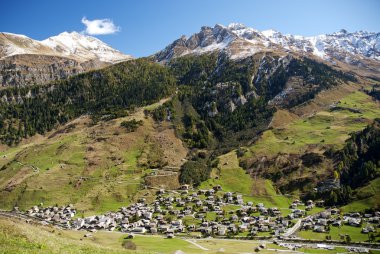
(356, 165)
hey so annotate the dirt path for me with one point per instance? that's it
(194, 243)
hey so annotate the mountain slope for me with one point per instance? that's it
(237, 77)
(106, 92)
(72, 149)
(33, 69)
(16, 44)
(24, 61)
(79, 46)
(97, 167)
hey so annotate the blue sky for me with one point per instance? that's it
(146, 26)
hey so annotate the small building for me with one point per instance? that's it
(368, 229)
(319, 229)
(222, 230)
(185, 187)
(320, 203)
(337, 223)
(139, 230)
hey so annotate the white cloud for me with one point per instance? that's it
(99, 26)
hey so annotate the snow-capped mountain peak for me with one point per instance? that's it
(72, 45)
(271, 33)
(72, 40)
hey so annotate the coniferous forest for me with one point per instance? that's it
(106, 93)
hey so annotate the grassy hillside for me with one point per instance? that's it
(19, 237)
(323, 128)
(95, 167)
(233, 178)
(103, 94)
(279, 152)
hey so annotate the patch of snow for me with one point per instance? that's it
(236, 26)
(245, 52)
(269, 33)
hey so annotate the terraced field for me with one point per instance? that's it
(95, 167)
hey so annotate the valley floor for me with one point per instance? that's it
(20, 237)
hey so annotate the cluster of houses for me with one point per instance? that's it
(57, 214)
(332, 217)
(210, 212)
(189, 212)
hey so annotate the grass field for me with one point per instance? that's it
(368, 197)
(233, 178)
(353, 232)
(24, 238)
(52, 183)
(320, 129)
(19, 237)
(310, 250)
(362, 205)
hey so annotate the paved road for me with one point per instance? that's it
(294, 229)
(297, 226)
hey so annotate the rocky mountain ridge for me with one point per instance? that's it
(238, 41)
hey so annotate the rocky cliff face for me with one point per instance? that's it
(25, 70)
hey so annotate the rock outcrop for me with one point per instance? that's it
(25, 70)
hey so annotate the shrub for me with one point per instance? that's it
(131, 125)
(129, 245)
